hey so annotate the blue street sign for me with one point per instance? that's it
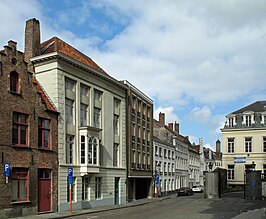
(70, 175)
(69, 180)
(157, 180)
(70, 171)
(7, 169)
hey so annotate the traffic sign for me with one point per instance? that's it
(7, 169)
(157, 180)
(70, 171)
(70, 175)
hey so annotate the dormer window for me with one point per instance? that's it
(263, 119)
(248, 118)
(14, 82)
(231, 121)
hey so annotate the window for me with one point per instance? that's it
(20, 186)
(85, 188)
(73, 189)
(83, 114)
(248, 120)
(98, 187)
(248, 144)
(69, 108)
(156, 150)
(97, 117)
(1, 68)
(160, 152)
(84, 90)
(164, 152)
(14, 82)
(116, 125)
(82, 149)
(92, 151)
(69, 85)
(264, 144)
(231, 172)
(20, 129)
(231, 145)
(231, 122)
(97, 95)
(115, 154)
(44, 133)
(69, 148)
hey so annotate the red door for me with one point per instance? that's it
(45, 191)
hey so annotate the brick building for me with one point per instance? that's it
(28, 143)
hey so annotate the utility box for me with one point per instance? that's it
(253, 188)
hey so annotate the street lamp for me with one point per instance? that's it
(253, 165)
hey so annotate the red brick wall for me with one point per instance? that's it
(29, 102)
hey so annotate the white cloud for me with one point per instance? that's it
(170, 116)
(14, 14)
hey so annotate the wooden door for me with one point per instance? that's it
(45, 190)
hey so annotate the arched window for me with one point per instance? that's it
(14, 81)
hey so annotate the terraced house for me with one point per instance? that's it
(91, 126)
(244, 142)
(28, 143)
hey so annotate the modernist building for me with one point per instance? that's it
(244, 141)
(92, 122)
(170, 134)
(139, 144)
(28, 143)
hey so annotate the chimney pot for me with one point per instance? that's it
(161, 119)
(32, 39)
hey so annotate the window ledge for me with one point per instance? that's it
(19, 202)
(21, 146)
(15, 93)
(45, 149)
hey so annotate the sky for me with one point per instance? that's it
(199, 60)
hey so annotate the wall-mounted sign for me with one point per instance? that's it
(239, 159)
(7, 169)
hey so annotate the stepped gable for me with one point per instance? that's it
(48, 104)
(57, 45)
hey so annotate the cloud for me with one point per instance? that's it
(170, 116)
(14, 14)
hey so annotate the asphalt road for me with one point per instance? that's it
(185, 207)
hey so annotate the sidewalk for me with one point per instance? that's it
(66, 214)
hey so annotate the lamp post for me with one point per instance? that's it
(253, 165)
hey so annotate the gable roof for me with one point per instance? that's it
(57, 45)
(48, 104)
(259, 106)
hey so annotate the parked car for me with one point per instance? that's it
(197, 189)
(184, 191)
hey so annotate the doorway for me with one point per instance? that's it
(44, 190)
(117, 180)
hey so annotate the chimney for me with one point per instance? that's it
(170, 126)
(218, 148)
(32, 39)
(161, 119)
(177, 127)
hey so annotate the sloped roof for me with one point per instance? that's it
(259, 106)
(57, 45)
(48, 104)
